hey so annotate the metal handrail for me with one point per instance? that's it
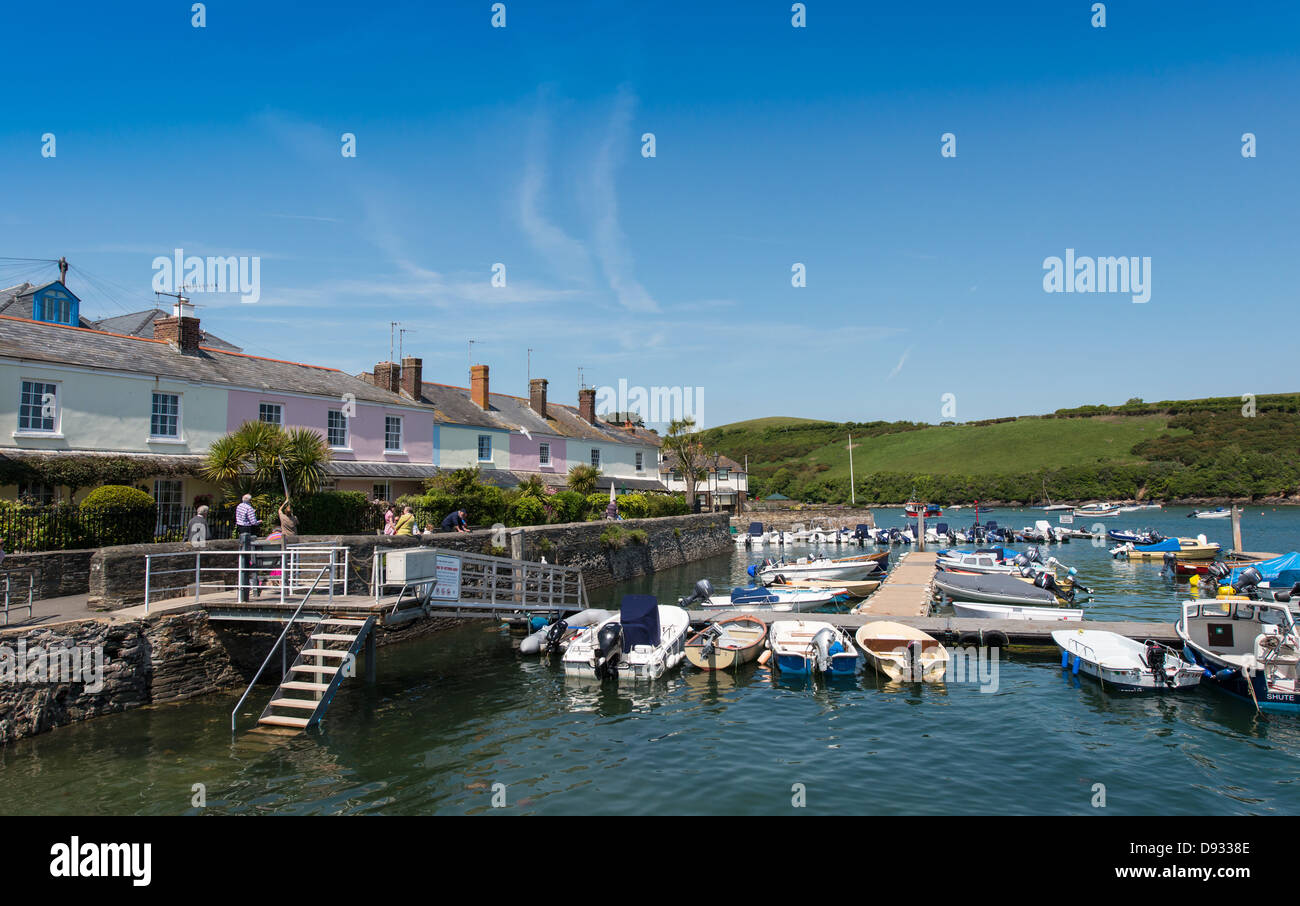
(278, 642)
(289, 562)
(31, 592)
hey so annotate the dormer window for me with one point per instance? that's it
(55, 305)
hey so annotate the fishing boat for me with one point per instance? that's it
(1003, 589)
(928, 510)
(1016, 612)
(1125, 536)
(1197, 548)
(812, 647)
(1001, 560)
(1122, 664)
(1248, 649)
(643, 640)
(1220, 513)
(728, 643)
(901, 653)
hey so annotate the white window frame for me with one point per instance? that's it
(640, 461)
(347, 430)
(279, 409)
(169, 514)
(488, 438)
(544, 462)
(401, 435)
(179, 436)
(595, 457)
(56, 431)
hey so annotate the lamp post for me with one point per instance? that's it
(716, 458)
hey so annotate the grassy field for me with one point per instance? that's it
(1009, 447)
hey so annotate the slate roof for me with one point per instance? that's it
(36, 341)
(670, 462)
(140, 324)
(511, 413)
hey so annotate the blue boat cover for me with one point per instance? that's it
(751, 594)
(756, 528)
(1169, 544)
(1269, 569)
(639, 615)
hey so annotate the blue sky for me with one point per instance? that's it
(775, 145)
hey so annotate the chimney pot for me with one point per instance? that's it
(478, 386)
(537, 396)
(180, 330)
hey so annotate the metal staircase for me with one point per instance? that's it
(325, 660)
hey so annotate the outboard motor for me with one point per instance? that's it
(710, 637)
(1217, 570)
(915, 671)
(1170, 563)
(703, 591)
(1247, 581)
(1021, 560)
(554, 635)
(821, 645)
(1156, 661)
(1034, 555)
(609, 648)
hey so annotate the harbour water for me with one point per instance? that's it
(460, 723)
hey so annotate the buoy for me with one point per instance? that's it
(765, 657)
(1194, 581)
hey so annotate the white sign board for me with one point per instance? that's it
(1067, 520)
(447, 585)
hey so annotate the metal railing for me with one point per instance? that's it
(31, 596)
(487, 582)
(282, 572)
(279, 643)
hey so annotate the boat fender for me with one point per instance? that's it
(995, 638)
(1075, 667)
(1065, 659)
(971, 639)
(765, 657)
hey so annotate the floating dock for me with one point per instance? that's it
(907, 590)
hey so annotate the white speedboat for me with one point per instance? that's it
(1122, 664)
(644, 640)
(820, 568)
(1220, 513)
(1016, 612)
(1097, 510)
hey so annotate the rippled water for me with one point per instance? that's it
(453, 716)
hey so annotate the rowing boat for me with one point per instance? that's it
(902, 653)
(727, 643)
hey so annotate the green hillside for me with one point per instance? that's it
(1174, 449)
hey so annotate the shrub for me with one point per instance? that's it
(634, 506)
(526, 511)
(667, 505)
(336, 513)
(638, 536)
(613, 538)
(116, 514)
(568, 506)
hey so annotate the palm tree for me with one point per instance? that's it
(688, 452)
(582, 478)
(252, 459)
(532, 486)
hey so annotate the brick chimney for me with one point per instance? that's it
(412, 376)
(181, 330)
(388, 377)
(478, 386)
(587, 404)
(537, 395)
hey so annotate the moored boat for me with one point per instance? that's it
(812, 647)
(1002, 589)
(902, 653)
(728, 643)
(1123, 665)
(1248, 649)
(1197, 548)
(643, 640)
(1016, 612)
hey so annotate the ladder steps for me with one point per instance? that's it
(334, 637)
(323, 652)
(313, 668)
(305, 687)
(334, 621)
(295, 703)
(279, 721)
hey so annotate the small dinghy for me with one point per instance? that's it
(556, 636)
(901, 653)
(643, 640)
(1016, 612)
(727, 643)
(1122, 664)
(762, 597)
(810, 647)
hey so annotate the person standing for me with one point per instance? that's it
(196, 532)
(246, 525)
(405, 522)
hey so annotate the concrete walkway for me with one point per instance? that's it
(73, 608)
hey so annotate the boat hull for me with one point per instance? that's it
(1016, 612)
(742, 641)
(885, 646)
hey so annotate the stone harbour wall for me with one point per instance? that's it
(163, 659)
(56, 573)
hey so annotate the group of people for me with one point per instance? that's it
(455, 521)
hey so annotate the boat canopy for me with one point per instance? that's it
(639, 615)
(1269, 569)
(1169, 544)
(756, 528)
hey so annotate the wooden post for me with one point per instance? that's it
(1236, 528)
(920, 530)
